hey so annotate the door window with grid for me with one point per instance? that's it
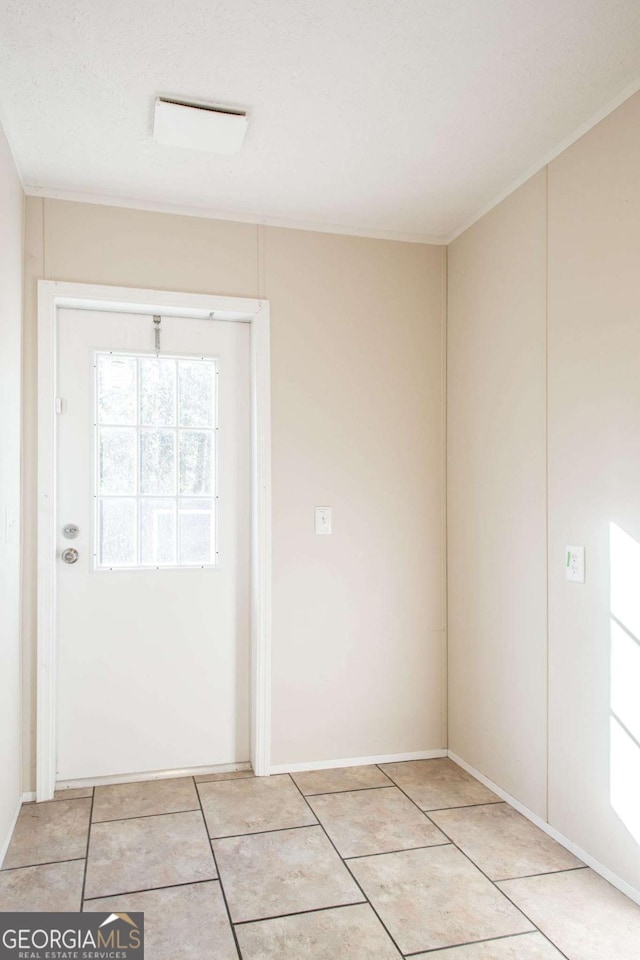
(156, 445)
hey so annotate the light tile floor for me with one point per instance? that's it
(365, 863)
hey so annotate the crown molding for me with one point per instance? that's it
(76, 196)
(579, 132)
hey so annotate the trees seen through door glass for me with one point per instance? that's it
(156, 461)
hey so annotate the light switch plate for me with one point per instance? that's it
(323, 519)
(574, 563)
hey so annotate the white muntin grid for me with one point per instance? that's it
(178, 499)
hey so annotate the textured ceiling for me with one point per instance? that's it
(390, 116)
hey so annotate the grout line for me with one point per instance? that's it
(385, 853)
(546, 873)
(462, 806)
(297, 913)
(86, 854)
(381, 764)
(166, 886)
(46, 863)
(261, 833)
(342, 860)
(459, 806)
(470, 943)
(215, 864)
(541, 932)
(30, 803)
(213, 783)
(55, 799)
(330, 793)
(147, 816)
(221, 778)
(494, 884)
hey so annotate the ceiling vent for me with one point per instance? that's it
(198, 126)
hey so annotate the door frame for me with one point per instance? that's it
(51, 296)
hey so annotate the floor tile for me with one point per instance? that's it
(348, 933)
(139, 854)
(49, 831)
(270, 874)
(436, 784)
(374, 821)
(526, 946)
(53, 888)
(232, 807)
(120, 800)
(502, 842)
(435, 898)
(581, 913)
(180, 923)
(73, 793)
(340, 778)
(229, 775)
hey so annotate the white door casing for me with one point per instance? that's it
(190, 748)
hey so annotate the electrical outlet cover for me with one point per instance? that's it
(574, 563)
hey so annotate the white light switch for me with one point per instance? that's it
(323, 519)
(574, 563)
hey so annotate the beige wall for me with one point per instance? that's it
(498, 462)
(497, 495)
(357, 423)
(594, 481)
(11, 217)
(357, 415)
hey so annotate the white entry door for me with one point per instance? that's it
(153, 615)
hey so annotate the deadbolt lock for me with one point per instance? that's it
(70, 532)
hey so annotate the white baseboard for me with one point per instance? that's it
(151, 775)
(29, 797)
(7, 840)
(355, 761)
(572, 847)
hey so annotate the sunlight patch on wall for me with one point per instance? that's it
(625, 679)
(625, 579)
(625, 778)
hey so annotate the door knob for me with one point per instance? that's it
(70, 555)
